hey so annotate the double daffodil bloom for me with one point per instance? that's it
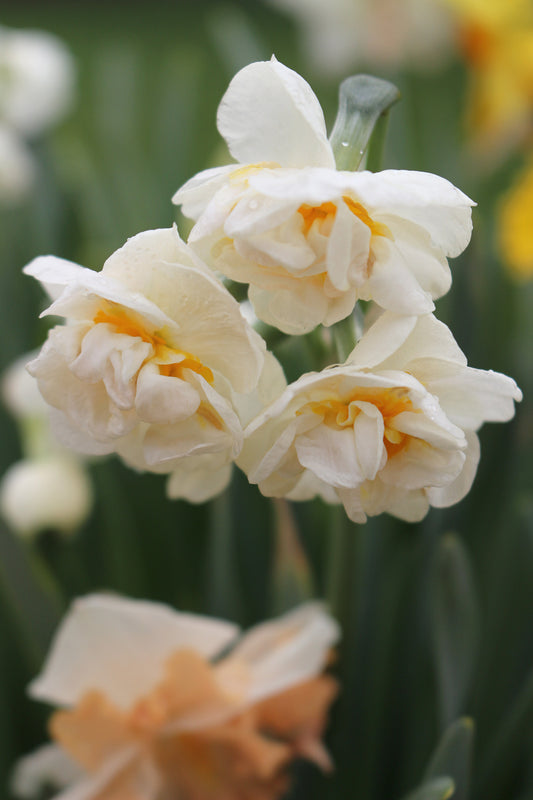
(309, 239)
(155, 363)
(392, 429)
(150, 708)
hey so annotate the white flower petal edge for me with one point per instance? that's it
(270, 113)
(119, 646)
(309, 240)
(154, 353)
(47, 765)
(284, 652)
(392, 429)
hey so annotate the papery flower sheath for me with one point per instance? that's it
(392, 429)
(150, 361)
(309, 239)
(150, 708)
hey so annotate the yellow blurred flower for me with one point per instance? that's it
(515, 225)
(496, 37)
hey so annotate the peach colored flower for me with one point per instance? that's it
(149, 713)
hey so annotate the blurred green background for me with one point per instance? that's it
(437, 617)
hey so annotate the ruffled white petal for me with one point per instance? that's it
(201, 479)
(270, 113)
(286, 651)
(47, 766)
(119, 646)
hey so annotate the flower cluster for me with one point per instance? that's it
(157, 363)
(186, 716)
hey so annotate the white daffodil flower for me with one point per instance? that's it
(311, 240)
(392, 429)
(143, 688)
(150, 360)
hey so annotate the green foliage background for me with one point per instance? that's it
(436, 661)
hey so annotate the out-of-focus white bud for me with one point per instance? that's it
(36, 80)
(53, 492)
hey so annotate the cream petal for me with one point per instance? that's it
(119, 647)
(423, 198)
(445, 496)
(348, 250)
(286, 651)
(391, 283)
(375, 497)
(419, 466)
(227, 343)
(309, 486)
(73, 438)
(256, 213)
(427, 263)
(430, 338)
(381, 340)
(289, 250)
(193, 437)
(473, 396)
(270, 113)
(82, 299)
(87, 405)
(114, 358)
(260, 465)
(331, 455)
(195, 195)
(432, 426)
(54, 273)
(201, 478)
(293, 312)
(368, 431)
(163, 399)
(49, 765)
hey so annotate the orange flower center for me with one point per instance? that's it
(327, 211)
(172, 361)
(343, 413)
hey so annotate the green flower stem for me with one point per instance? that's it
(363, 99)
(341, 538)
(292, 582)
(345, 335)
